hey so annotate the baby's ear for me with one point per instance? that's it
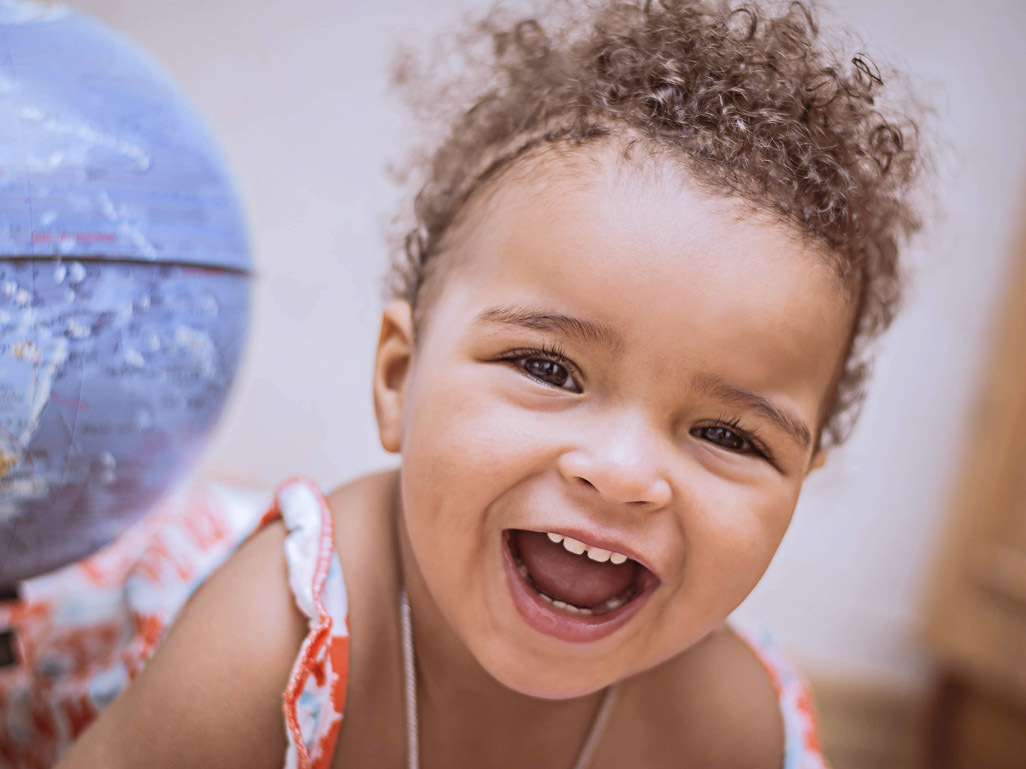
(391, 372)
(819, 459)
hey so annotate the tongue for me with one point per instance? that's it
(573, 579)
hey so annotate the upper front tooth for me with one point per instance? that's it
(599, 554)
(573, 545)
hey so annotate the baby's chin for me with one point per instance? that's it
(563, 677)
(550, 686)
(573, 674)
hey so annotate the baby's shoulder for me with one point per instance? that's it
(717, 704)
(363, 514)
(210, 694)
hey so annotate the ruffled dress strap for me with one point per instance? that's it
(801, 731)
(314, 698)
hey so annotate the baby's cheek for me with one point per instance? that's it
(736, 537)
(465, 432)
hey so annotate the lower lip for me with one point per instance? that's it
(547, 619)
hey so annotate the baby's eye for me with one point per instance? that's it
(550, 372)
(725, 437)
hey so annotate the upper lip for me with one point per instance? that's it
(592, 540)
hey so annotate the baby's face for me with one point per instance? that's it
(619, 360)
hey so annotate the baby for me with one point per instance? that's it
(630, 320)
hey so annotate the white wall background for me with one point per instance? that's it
(297, 92)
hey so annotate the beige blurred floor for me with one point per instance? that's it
(867, 726)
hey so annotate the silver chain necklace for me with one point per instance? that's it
(410, 679)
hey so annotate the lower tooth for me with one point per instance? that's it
(567, 607)
(614, 603)
(522, 569)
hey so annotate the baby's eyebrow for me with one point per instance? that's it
(784, 419)
(538, 319)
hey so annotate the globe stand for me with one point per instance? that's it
(7, 655)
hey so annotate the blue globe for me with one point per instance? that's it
(124, 286)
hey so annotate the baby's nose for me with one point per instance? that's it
(622, 462)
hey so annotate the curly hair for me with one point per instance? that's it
(753, 104)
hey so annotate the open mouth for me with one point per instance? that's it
(572, 590)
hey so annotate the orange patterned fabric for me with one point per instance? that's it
(316, 692)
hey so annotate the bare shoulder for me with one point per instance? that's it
(211, 694)
(363, 513)
(364, 501)
(714, 705)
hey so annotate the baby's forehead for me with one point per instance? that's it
(618, 166)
